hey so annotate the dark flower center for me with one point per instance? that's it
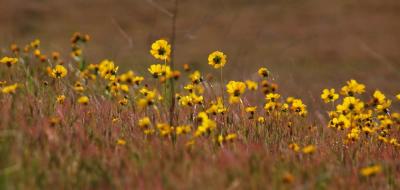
(217, 60)
(236, 93)
(161, 51)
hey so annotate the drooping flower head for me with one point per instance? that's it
(263, 72)
(84, 100)
(9, 61)
(370, 170)
(217, 59)
(10, 89)
(251, 85)
(158, 70)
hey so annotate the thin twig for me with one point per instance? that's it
(160, 8)
(123, 33)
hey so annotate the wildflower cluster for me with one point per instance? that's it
(360, 120)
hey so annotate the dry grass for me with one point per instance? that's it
(308, 45)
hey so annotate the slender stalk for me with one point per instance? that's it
(222, 95)
(222, 87)
(172, 89)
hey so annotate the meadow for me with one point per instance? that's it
(79, 125)
(202, 108)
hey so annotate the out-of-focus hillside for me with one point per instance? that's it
(312, 43)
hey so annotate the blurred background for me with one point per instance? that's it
(307, 44)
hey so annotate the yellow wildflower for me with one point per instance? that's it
(121, 142)
(78, 87)
(352, 88)
(251, 110)
(183, 129)
(340, 123)
(195, 77)
(370, 170)
(235, 88)
(309, 149)
(123, 101)
(329, 95)
(263, 72)
(144, 122)
(272, 97)
(9, 61)
(287, 178)
(231, 137)
(10, 89)
(160, 49)
(59, 71)
(354, 134)
(60, 99)
(261, 120)
(294, 146)
(107, 69)
(217, 59)
(350, 104)
(84, 100)
(158, 70)
(251, 85)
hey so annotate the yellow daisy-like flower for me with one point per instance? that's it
(185, 129)
(261, 120)
(251, 85)
(230, 137)
(309, 149)
(272, 97)
(59, 71)
(217, 59)
(160, 49)
(84, 100)
(123, 101)
(121, 142)
(340, 123)
(378, 97)
(78, 87)
(251, 109)
(294, 146)
(216, 107)
(354, 134)
(398, 96)
(235, 88)
(108, 69)
(195, 77)
(158, 70)
(60, 99)
(9, 61)
(10, 89)
(370, 170)
(329, 95)
(35, 43)
(352, 88)
(144, 123)
(350, 104)
(263, 72)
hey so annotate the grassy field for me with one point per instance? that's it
(239, 98)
